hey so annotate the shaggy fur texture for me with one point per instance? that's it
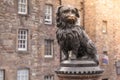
(72, 37)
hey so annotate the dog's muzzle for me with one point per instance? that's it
(71, 19)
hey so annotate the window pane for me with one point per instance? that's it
(48, 77)
(19, 1)
(22, 1)
(22, 6)
(48, 47)
(118, 70)
(1, 74)
(104, 27)
(22, 40)
(23, 74)
(48, 14)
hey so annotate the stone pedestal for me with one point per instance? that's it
(79, 70)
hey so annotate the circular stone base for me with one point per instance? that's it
(79, 69)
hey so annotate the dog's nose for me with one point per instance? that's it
(71, 15)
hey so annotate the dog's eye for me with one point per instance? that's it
(73, 11)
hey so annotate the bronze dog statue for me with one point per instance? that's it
(72, 37)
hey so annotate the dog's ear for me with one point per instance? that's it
(77, 13)
(58, 11)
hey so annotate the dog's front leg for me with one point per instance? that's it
(75, 52)
(66, 54)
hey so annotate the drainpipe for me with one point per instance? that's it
(83, 14)
(60, 2)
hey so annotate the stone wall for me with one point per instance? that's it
(96, 13)
(10, 22)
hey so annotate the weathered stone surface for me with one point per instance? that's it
(97, 11)
(10, 21)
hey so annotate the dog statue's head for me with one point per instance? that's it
(66, 14)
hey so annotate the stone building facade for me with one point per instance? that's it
(100, 18)
(24, 37)
(102, 24)
(104, 16)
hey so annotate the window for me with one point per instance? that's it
(2, 75)
(48, 48)
(22, 39)
(23, 74)
(48, 14)
(105, 58)
(118, 67)
(49, 77)
(104, 27)
(118, 70)
(22, 6)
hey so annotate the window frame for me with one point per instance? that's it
(105, 58)
(51, 48)
(25, 40)
(52, 76)
(117, 64)
(20, 6)
(118, 70)
(50, 14)
(19, 75)
(3, 74)
(104, 26)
